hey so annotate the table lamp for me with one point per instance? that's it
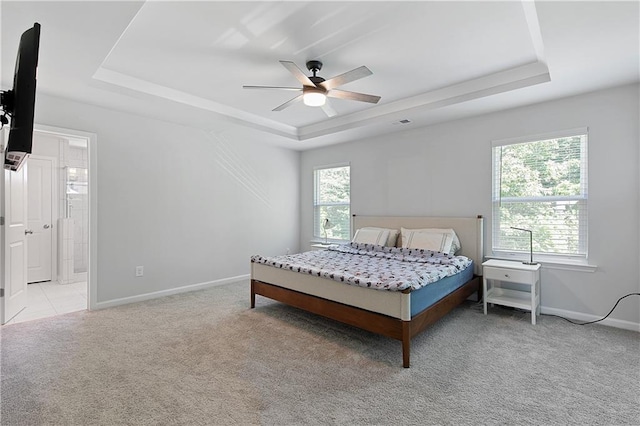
(326, 224)
(530, 262)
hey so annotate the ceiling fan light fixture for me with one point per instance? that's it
(314, 97)
(316, 89)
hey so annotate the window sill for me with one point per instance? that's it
(566, 265)
(330, 241)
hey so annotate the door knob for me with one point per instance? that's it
(46, 226)
(26, 231)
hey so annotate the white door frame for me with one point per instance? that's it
(55, 183)
(92, 152)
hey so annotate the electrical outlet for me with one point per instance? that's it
(288, 251)
(139, 271)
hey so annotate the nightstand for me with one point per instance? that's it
(513, 272)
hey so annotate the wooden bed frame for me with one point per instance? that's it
(470, 233)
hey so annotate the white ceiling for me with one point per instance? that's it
(431, 61)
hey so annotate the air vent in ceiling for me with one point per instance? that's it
(403, 121)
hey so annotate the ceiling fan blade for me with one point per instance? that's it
(347, 77)
(328, 110)
(354, 96)
(288, 103)
(298, 89)
(297, 73)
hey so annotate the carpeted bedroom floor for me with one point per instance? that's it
(205, 358)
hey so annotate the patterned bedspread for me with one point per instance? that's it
(368, 265)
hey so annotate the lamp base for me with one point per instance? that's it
(530, 263)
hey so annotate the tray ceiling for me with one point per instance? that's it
(429, 59)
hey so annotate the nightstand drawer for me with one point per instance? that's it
(510, 275)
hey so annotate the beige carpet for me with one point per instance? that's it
(205, 358)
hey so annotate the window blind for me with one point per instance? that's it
(541, 184)
(332, 200)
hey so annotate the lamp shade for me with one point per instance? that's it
(326, 224)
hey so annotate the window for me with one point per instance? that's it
(541, 184)
(331, 201)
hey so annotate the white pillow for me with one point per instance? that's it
(455, 244)
(379, 236)
(435, 239)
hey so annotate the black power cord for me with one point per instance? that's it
(598, 320)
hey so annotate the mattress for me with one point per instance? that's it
(372, 266)
(430, 294)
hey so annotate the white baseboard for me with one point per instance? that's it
(579, 316)
(169, 292)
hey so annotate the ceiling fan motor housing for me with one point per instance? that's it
(316, 80)
(314, 96)
(314, 67)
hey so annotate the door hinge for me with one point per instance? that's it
(1, 220)
(1, 292)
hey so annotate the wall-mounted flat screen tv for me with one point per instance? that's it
(19, 102)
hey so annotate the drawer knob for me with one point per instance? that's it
(506, 275)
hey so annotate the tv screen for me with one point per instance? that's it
(19, 102)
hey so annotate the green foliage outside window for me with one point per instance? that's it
(332, 201)
(541, 186)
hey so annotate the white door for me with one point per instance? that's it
(40, 248)
(14, 261)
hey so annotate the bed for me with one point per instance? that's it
(400, 314)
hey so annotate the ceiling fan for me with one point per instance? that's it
(316, 89)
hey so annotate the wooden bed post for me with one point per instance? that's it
(406, 343)
(253, 296)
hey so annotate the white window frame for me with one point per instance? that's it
(318, 235)
(545, 258)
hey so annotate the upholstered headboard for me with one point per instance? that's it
(469, 230)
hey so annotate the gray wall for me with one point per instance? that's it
(445, 169)
(192, 206)
(189, 205)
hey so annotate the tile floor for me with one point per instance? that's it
(50, 298)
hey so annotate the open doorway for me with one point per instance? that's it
(58, 254)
